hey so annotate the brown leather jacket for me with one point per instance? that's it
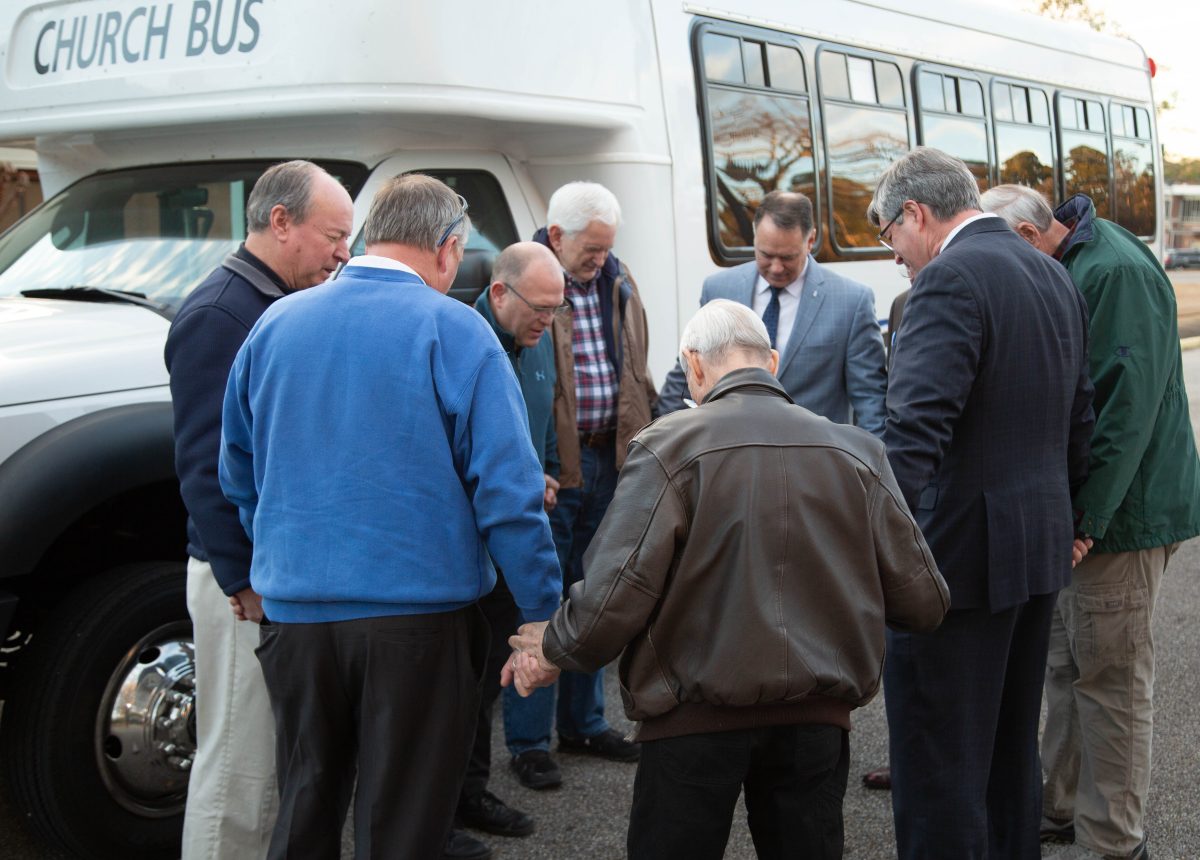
(635, 392)
(747, 565)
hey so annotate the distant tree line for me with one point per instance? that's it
(1183, 170)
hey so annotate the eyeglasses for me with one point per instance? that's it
(450, 228)
(553, 310)
(888, 226)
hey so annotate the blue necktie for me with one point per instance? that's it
(771, 315)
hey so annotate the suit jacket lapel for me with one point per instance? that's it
(745, 289)
(811, 298)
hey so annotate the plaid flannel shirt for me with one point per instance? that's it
(595, 376)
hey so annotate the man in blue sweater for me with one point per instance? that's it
(299, 221)
(377, 446)
(525, 296)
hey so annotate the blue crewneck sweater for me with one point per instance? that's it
(376, 444)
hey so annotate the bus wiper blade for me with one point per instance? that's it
(100, 294)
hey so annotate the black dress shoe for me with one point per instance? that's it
(608, 744)
(535, 769)
(490, 814)
(463, 846)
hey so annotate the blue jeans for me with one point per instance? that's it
(527, 722)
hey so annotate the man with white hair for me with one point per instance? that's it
(748, 564)
(1141, 499)
(604, 396)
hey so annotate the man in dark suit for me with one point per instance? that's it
(823, 325)
(989, 416)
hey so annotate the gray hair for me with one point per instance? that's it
(1017, 203)
(788, 209)
(722, 326)
(942, 182)
(414, 209)
(288, 185)
(577, 204)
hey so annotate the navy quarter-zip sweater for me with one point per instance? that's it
(205, 336)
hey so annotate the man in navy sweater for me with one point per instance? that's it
(299, 221)
(376, 444)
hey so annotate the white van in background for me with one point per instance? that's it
(152, 119)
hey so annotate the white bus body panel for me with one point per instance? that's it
(557, 91)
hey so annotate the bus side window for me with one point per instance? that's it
(1133, 170)
(1025, 147)
(757, 133)
(950, 117)
(1084, 147)
(866, 128)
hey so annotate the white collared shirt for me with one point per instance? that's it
(789, 304)
(374, 261)
(956, 230)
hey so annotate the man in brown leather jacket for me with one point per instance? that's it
(749, 561)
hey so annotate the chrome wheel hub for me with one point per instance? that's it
(145, 728)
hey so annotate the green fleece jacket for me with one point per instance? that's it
(1143, 487)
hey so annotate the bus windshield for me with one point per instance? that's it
(154, 231)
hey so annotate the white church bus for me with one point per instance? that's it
(152, 119)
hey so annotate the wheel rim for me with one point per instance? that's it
(145, 728)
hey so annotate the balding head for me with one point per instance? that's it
(526, 290)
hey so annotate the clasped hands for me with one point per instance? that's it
(1079, 549)
(528, 668)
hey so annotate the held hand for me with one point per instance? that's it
(528, 667)
(247, 605)
(526, 673)
(550, 495)
(529, 638)
(1079, 549)
(533, 672)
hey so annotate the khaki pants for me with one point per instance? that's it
(1100, 699)
(232, 796)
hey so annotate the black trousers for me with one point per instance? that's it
(687, 787)
(963, 705)
(502, 615)
(391, 699)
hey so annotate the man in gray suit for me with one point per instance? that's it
(823, 325)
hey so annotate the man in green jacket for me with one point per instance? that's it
(1141, 498)
(525, 295)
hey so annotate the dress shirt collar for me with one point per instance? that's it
(374, 261)
(794, 289)
(950, 237)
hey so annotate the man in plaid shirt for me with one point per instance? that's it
(604, 396)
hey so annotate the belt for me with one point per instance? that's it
(598, 439)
